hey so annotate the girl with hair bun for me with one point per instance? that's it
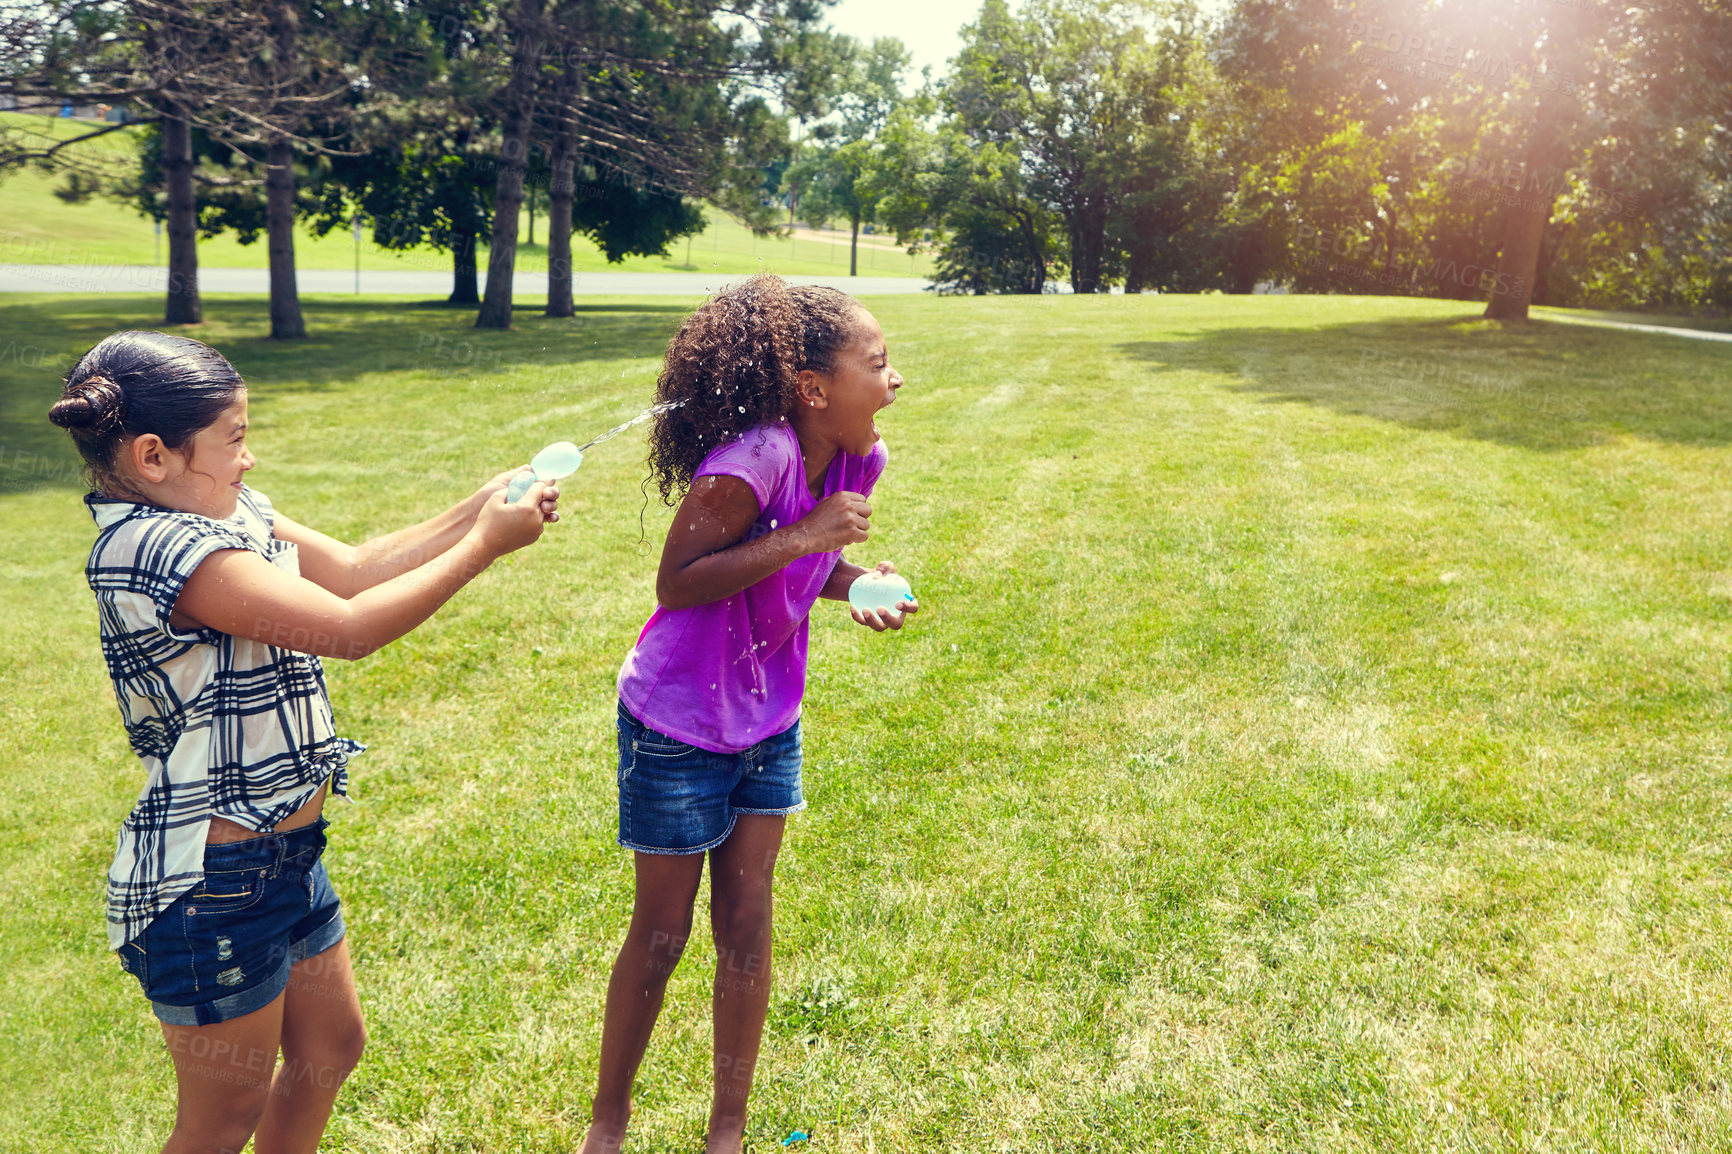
(769, 444)
(214, 611)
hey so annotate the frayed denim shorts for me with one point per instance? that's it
(675, 798)
(224, 948)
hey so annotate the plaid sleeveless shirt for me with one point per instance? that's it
(225, 727)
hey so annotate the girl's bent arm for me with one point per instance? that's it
(240, 593)
(706, 557)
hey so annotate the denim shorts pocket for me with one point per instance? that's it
(134, 962)
(652, 744)
(225, 891)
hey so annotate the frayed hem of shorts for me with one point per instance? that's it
(227, 1009)
(793, 809)
(324, 938)
(663, 851)
(248, 1001)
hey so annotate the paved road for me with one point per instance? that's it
(93, 278)
(1596, 322)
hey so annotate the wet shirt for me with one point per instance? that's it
(726, 675)
(225, 727)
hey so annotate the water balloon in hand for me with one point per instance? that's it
(559, 459)
(876, 591)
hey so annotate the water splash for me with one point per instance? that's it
(652, 411)
(562, 458)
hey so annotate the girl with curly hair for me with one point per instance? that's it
(770, 447)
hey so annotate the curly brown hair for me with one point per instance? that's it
(733, 365)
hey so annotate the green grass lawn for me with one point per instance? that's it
(1314, 738)
(40, 228)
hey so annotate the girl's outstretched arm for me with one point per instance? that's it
(707, 558)
(238, 592)
(350, 569)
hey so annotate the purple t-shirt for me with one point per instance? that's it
(726, 675)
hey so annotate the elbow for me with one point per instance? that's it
(670, 597)
(349, 639)
(352, 650)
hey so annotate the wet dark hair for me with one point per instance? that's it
(134, 383)
(734, 365)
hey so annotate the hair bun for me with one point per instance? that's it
(94, 406)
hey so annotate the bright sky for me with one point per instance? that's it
(928, 27)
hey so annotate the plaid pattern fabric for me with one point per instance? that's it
(224, 726)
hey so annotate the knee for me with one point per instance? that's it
(228, 1129)
(663, 932)
(337, 1052)
(740, 919)
(655, 942)
(348, 1046)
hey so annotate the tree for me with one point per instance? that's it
(207, 65)
(816, 67)
(426, 187)
(996, 236)
(835, 184)
(645, 140)
(1467, 148)
(528, 31)
(834, 175)
(665, 104)
(1063, 84)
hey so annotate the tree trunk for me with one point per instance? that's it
(183, 306)
(1524, 220)
(559, 192)
(1524, 223)
(286, 322)
(562, 163)
(463, 270)
(1550, 242)
(854, 248)
(1088, 243)
(495, 311)
(1036, 259)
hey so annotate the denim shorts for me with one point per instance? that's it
(224, 948)
(675, 798)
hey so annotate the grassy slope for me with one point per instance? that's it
(42, 229)
(1314, 739)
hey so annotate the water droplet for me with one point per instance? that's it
(772, 522)
(712, 685)
(742, 408)
(718, 392)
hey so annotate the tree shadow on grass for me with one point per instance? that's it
(41, 337)
(1539, 386)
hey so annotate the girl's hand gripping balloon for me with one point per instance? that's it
(559, 459)
(877, 591)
